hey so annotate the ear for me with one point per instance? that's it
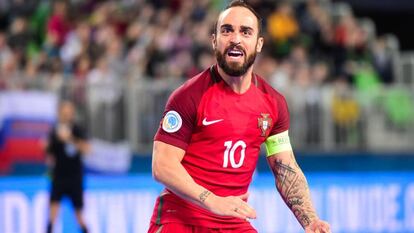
(213, 41)
(259, 45)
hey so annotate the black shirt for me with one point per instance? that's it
(68, 163)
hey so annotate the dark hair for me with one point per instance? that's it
(241, 3)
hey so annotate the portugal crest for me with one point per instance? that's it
(264, 123)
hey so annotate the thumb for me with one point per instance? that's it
(244, 197)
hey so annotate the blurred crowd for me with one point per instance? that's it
(45, 41)
(309, 45)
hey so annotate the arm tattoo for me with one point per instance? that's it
(293, 187)
(203, 196)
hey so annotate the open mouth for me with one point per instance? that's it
(235, 53)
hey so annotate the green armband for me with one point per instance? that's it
(278, 143)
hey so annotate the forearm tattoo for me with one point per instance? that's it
(203, 196)
(293, 187)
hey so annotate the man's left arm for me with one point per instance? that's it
(289, 178)
(293, 187)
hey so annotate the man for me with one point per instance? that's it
(67, 142)
(207, 146)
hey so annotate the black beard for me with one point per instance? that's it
(234, 69)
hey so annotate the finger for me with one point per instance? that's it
(237, 214)
(250, 212)
(326, 228)
(244, 197)
(247, 211)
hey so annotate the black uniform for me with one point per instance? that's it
(67, 174)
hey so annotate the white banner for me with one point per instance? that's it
(28, 104)
(108, 157)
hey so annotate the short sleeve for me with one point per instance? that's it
(282, 122)
(178, 120)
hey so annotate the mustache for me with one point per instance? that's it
(235, 46)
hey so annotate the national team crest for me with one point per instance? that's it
(264, 123)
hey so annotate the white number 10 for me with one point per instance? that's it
(229, 152)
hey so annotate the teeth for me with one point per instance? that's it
(235, 53)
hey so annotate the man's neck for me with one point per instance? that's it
(239, 84)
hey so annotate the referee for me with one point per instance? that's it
(67, 143)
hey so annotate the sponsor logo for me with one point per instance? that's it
(205, 122)
(172, 122)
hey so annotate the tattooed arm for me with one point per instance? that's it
(293, 187)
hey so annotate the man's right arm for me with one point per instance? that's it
(168, 170)
(50, 160)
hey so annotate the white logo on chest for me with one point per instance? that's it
(205, 122)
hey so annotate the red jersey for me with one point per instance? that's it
(221, 133)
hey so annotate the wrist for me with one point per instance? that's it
(307, 223)
(204, 198)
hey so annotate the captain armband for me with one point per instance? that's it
(278, 143)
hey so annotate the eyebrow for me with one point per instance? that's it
(246, 28)
(227, 26)
(243, 28)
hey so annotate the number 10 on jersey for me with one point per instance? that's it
(229, 153)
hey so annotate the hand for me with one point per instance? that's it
(64, 133)
(234, 206)
(318, 226)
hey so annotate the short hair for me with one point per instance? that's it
(242, 3)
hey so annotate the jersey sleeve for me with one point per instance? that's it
(178, 120)
(282, 123)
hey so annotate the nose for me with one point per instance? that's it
(235, 39)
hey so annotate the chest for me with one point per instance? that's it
(222, 114)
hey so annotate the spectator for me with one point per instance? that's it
(316, 26)
(301, 82)
(55, 77)
(21, 8)
(314, 103)
(51, 47)
(58, 24)
(114, 53)
(11, 73)
(346, 114)
(382, 60)
(283, 27)
(5, 51)
(78, 42)
(19, 39)
(281, 78)
(104, 94)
